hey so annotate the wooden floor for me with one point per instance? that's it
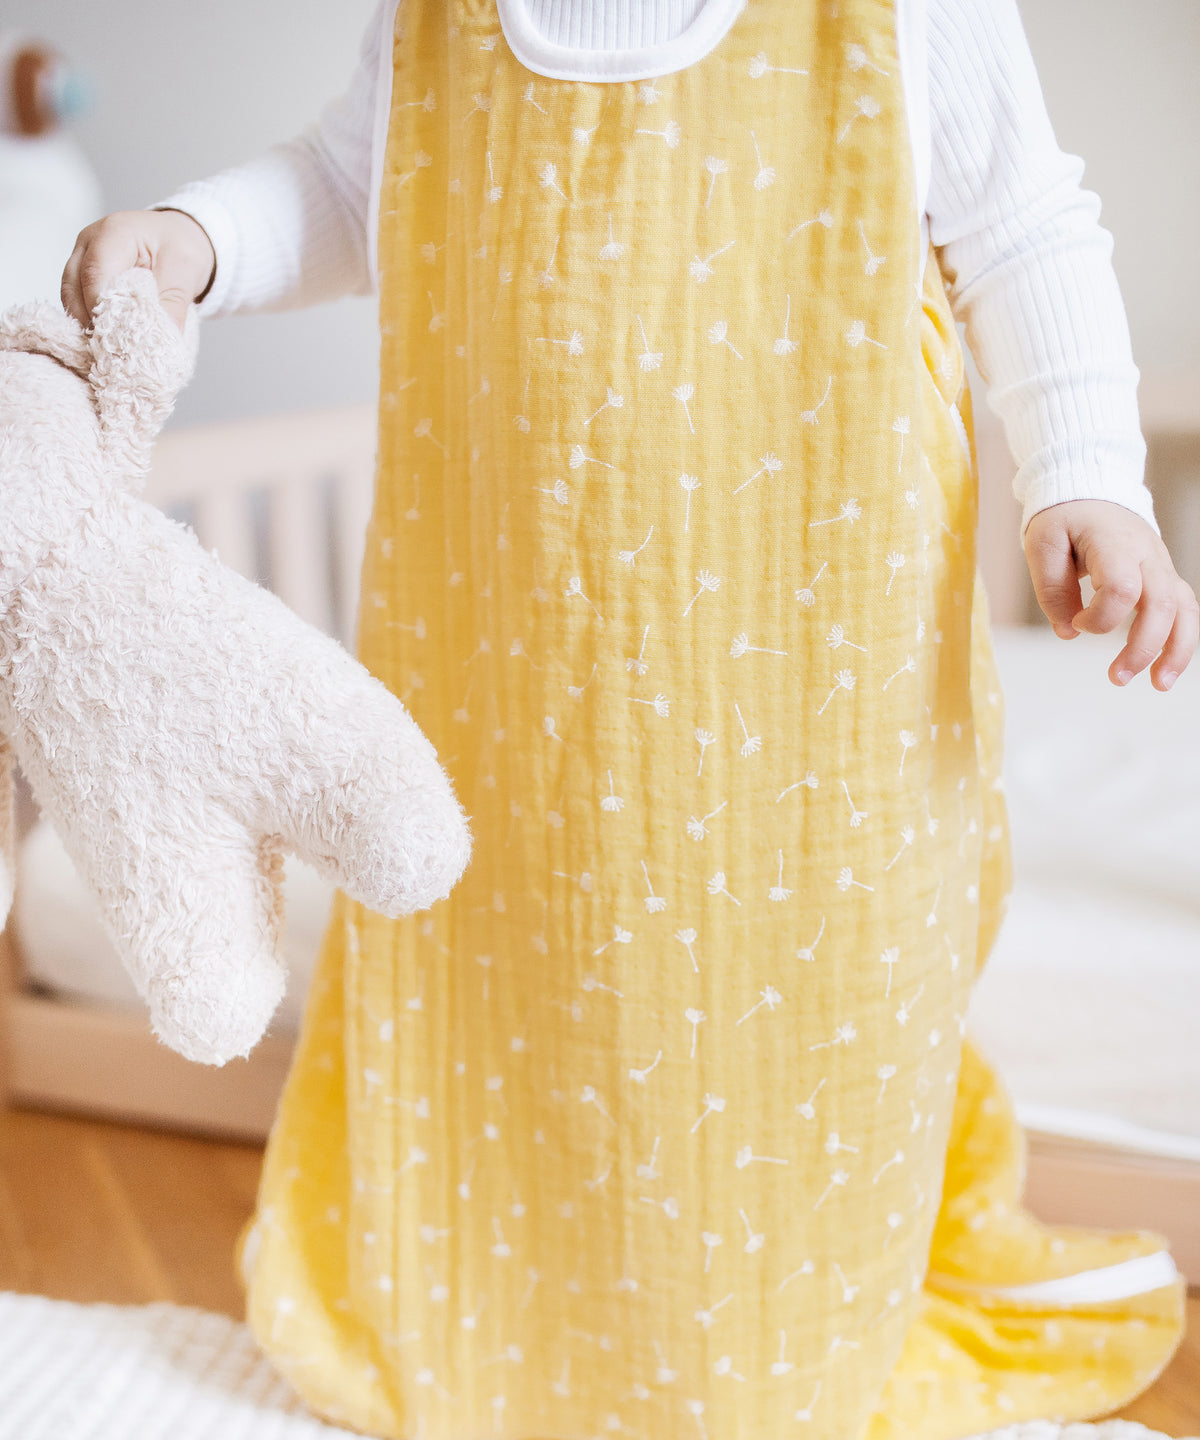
(91, 1211)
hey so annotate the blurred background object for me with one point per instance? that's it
(48, 188)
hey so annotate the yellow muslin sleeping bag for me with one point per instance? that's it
(643, 1132)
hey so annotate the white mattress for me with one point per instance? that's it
(1090, 1001)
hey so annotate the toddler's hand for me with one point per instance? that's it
(169, 243)
(1130, 569)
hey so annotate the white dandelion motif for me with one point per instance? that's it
(614, 249)
(695, 1018)
(741, 645)
(654, 903)
(810, 781)
(439, 318)
(671, 134)
(529, 97)
(429, 252)
(907, 836)
(548, 178)
(857, 816)
(909, 667)
(719, 335)
(901, 425)
(810, 416)
(710, 1241)
(648, 93)
(559, 491)
(777, 891)
(851, 510)
(785, 345)
(483, 103)
(689, 483)
(746, 1156)
(684, 393)
(428, 103)
(703, 738)
(700, 269)
(546, 277)
(770, 998)
(574, 344)
(612, 802)
(612, 402)
(836, 1181)
(768, 464)
(846, 680)
(885, 1072)
(421, 161)
(716, 886)
(424, 430)
(639, 1076)
(549, 730)
(580, 457)
(574, 691)
(588, 1094)
(889, 958)
(846, 879)
(697, 828)
(494, 192)
(713, 1104)
(660, 704)
(866, 106)
(809, 952)
(843, 1035)
(873, 261)
(714, 167)
(522, 421)
(837, 638)
(760, 65)
(707, 581)
(648, 359)
(823, 218)
(766, 173)
(752, 743)
(907, 741)
(575, 587)
(896, 560)
(931, 918)
(806, 594)
(629, 557)
(834, 1146)
(635, 663)
(687, 938)
(858, 59)
(857, 334)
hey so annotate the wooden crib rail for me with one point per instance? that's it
(283, 499)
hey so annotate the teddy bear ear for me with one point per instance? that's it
(140, 362)
(40, 327)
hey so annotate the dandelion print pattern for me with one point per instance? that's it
(638, 704)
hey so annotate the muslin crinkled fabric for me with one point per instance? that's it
(643, 1132)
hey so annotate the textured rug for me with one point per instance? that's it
(165, 1372)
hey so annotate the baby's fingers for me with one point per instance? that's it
(1156, 610)
(1170, 622)
(1118, 584)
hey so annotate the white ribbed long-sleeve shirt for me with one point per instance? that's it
(1027, 264)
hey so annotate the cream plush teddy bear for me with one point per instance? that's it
(178, 724)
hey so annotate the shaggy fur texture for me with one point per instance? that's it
(179, 725)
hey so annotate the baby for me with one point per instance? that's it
(644, 1129)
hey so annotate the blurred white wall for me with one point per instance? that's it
(184, 90)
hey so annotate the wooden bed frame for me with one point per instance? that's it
(291, 513)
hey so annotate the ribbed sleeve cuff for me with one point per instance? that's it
(1084, 477)
(198, 201)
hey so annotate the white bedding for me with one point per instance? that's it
(1090, 1002)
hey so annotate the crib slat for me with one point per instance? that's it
(298, 543)
(222, 522)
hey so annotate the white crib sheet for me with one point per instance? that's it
(1090, 1001)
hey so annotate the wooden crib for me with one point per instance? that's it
(285, 500)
